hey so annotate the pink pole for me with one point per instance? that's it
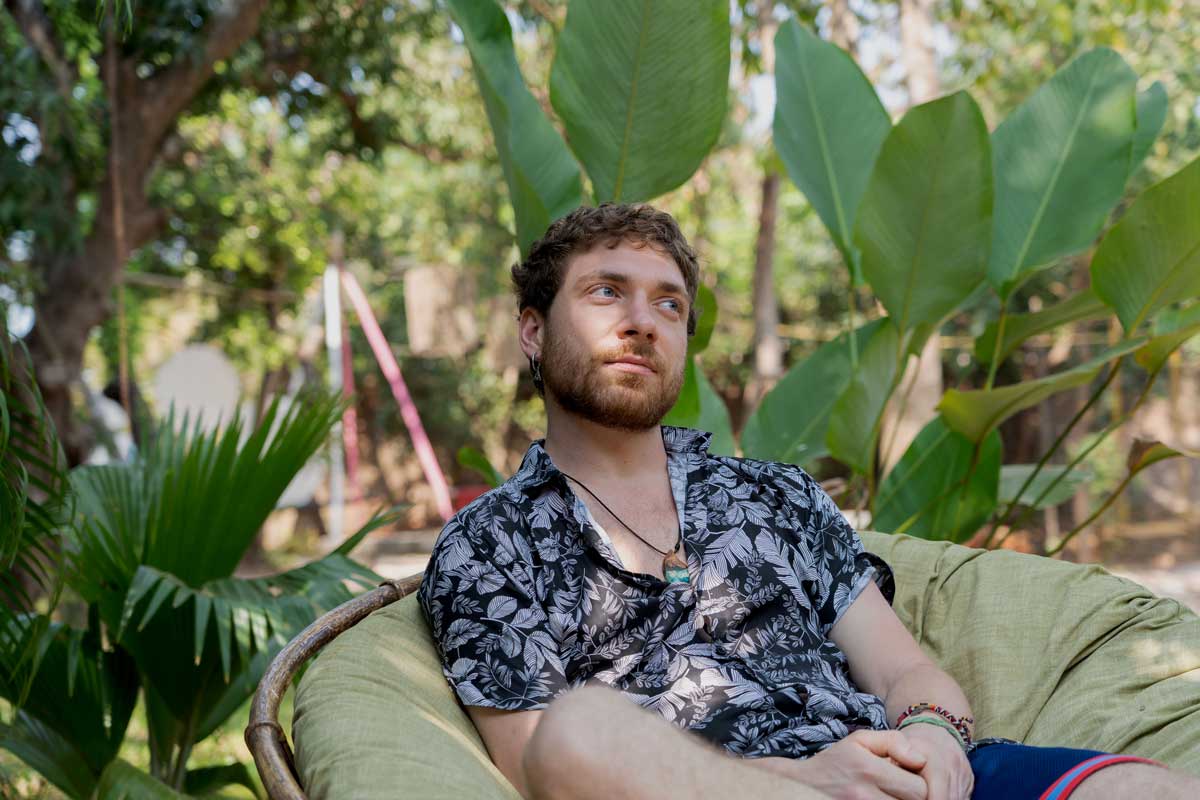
(408, 410)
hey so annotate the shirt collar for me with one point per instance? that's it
(537, 469)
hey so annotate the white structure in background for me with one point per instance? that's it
(115, 438)
(333, 345)
(198, 381)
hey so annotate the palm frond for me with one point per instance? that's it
(76, 712)
(247, 615)
(218, 488)
(33, 504)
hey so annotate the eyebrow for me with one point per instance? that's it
(617, 277)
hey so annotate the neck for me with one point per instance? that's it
(586, 450)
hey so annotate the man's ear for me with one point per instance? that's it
(531, 327)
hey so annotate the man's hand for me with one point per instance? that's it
(947, 772)
(867, 765)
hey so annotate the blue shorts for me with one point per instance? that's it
(1010, 771)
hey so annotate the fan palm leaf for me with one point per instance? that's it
(33, 501)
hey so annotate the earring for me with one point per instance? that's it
(535, 369)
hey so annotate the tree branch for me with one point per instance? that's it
(38, 30)
(168, 95)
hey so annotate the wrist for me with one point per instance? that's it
(928, 726)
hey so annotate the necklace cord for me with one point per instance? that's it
(583, 486)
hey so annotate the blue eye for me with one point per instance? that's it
(606, 288)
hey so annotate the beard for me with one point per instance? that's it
(583, 385)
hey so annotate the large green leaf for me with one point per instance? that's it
(689, 406)
(543, 178)
(1171, 329)
(829, 126)
(1019, 327)
(1151, 114)
(854, 418)
(49, 753)
(1062, 159)
(706, 321)
(1151, 258)
(975, 413)
(938, 489)
(473, 459)
(641, 86)
(1062, 484)
(714, 418)
(75, 715)
(924, 223)
(123, 781)
(790, 423)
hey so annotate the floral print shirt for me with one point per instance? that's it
(526, 597)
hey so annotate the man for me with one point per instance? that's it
(727, 598)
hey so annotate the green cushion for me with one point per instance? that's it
(1048, 652)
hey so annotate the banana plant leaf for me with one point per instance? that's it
(925, 220)
(975, 413)
(1065, 484)
(1062, 160)
(940, 489)
(854, 418)
(1151, 115)
(542, 175)
(829, 126)
(1151, 258)
(641, 88)
(1020, 327)
(1172, 329)
(791, 421)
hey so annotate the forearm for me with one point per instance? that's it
(925, 683)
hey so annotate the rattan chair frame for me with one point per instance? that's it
(264, 736)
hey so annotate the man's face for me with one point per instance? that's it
(615, 340)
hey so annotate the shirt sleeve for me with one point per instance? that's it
(491, 633)
(842, 567)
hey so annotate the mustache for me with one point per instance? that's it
(647, 352)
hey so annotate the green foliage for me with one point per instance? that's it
(1160, 236)
(1019, 327)
(925, 217)
(641, 90)
(1062, 160)
(943, 487)
(829, 126)
(854, 417)
(542, 176)
(790, 422)
(151, 549)
(975, 413)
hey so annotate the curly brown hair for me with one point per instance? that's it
(537, 279)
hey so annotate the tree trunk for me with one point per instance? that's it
(921, 386)
(768, 347)
(75, 293)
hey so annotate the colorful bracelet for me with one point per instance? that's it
(962, 725)
(941, 723)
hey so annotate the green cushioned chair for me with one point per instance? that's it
(1049, 653)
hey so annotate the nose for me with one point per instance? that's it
(640, 321)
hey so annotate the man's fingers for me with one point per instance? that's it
(896, 782)
(891, 744)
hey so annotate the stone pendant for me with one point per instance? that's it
(675, 569)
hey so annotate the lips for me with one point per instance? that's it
(634, 364)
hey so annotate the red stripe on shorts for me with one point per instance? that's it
(1066, 784)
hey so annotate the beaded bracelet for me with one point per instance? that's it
(961, 724)
(941, 723)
